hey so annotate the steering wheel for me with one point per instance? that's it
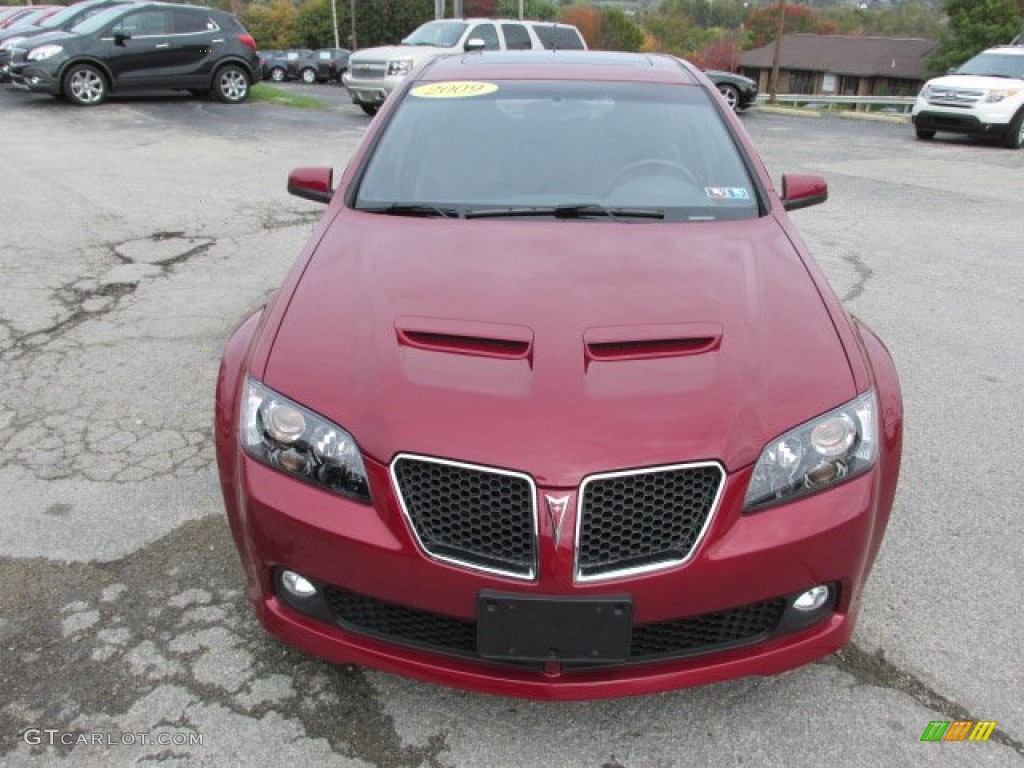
(640, 168)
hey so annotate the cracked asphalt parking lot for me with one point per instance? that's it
(133, 239)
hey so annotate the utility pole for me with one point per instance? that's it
(334, 19)
(353, 43)
(773, 86)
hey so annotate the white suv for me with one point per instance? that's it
(373, 73)
(985, 96)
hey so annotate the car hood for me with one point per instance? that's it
(391, 52)
(975, 82)
(559, 348)
(58, 37)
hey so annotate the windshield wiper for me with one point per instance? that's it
(588, 211)
(415, 209)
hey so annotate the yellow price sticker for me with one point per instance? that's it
(459, 89)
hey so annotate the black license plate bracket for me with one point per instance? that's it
(548, 628)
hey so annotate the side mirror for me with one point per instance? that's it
(120, 38)
(314, 184)
(802, 191)
(475, 44)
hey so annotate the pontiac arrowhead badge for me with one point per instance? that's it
(557, 506)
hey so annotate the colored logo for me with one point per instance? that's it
(959, 730)
(453, 90)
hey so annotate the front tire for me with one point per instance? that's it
(309, 76)
(85, 86)
(731, 95)
(1014, 138)
(924, 135)
(370, 109)
(231, 84)
(277, 75)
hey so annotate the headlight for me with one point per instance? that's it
(44, 52)
(293, 439)
(400, 67)
(926, 92)
(10, 42)
(821, 453)
(995, 96)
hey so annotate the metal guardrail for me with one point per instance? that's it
(900, 103)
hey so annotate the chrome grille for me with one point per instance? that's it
(475, 516)
(954, 97)
(368, 69)
(644, 520)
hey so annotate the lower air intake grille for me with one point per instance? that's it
(662, 640)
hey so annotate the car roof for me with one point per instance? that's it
(563, 65)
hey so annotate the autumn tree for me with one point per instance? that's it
(586, 19)
(272, 25)
(763, 23)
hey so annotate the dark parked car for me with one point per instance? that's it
(286, 65)
(65, 19)
(141, 46)
(27, 14)
(555, 402)
(740, 92)
(328, 65)
(28, 17)
(320, 66)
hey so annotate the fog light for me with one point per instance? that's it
(812, 599)
(297, 584)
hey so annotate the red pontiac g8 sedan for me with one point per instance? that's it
(555, 403)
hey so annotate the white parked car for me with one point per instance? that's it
(375, 72)
(984, 97)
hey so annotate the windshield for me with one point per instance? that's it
(68, 14)
(994, 64)
(440, 34)
(98, 21)
(570, 149)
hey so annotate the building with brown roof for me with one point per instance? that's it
(840, 65)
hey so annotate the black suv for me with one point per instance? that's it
(141, 46)
(286, 65)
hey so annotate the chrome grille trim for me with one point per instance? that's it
(579, 576)
(530, 574)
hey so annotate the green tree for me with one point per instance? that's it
(618, 33)
(387, 22)
(314, 27)
(537, 10)
(974, 26)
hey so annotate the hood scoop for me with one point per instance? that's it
(462, 337)
(650, 342)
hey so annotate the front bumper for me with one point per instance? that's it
(34, 77)
(992, 120)
(372, 91)
(745, 562)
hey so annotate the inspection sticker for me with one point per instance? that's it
(459, 89)
(727, 193)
